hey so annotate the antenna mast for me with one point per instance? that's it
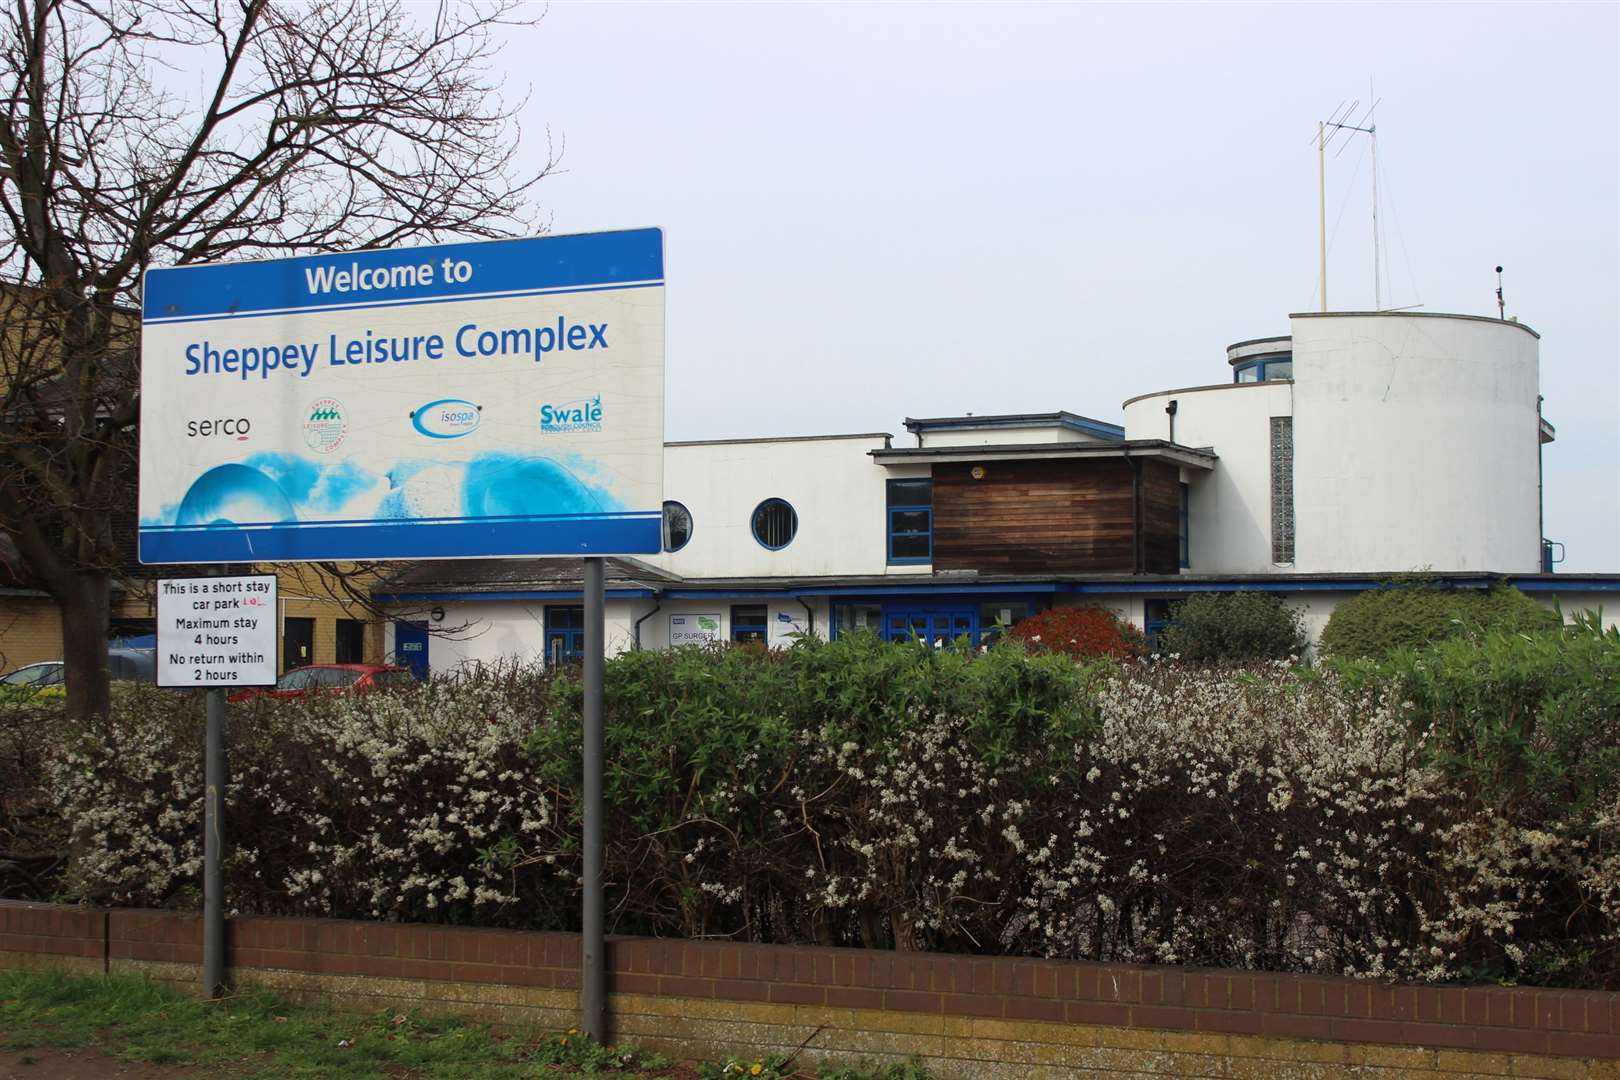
(1336, 123)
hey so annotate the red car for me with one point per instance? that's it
(334, 678)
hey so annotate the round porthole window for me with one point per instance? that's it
(677, 526)
(775, 523)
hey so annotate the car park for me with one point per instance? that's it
(330, 678)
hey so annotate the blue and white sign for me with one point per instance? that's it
(487, 399)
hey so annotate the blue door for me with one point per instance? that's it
(565, 635)
(411, 647)
(941, 625)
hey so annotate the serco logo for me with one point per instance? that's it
(447, 418)
(325, 425)
(237, 427)
(570, 416)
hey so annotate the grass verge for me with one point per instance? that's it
(260, 1035)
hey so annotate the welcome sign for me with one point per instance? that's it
(488, 399)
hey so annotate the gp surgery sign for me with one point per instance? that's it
(487, 399)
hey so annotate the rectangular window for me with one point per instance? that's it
(1282, 489)
(1186, 536)
(565, 634)
(911, 520)
(748, 624)
(850, 618)
(351, 641)
(1155, 617)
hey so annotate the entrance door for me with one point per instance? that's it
(565, 635)
(297, 643)
(932, 625)
(411, 647)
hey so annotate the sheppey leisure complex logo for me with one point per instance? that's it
(570, 416)
(325, 425)
(447, 418)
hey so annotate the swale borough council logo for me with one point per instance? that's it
(325, 425)
(571, 416)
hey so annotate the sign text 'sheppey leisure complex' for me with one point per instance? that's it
(483, 399)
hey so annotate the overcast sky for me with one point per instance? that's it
(875, 212)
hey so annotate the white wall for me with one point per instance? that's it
(1415, 447)
(484, 631)
(1228, 509)
(832, 483)
(783, 617)
(1415, 443)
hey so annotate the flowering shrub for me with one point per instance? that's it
(1080, 632)
(892, 796)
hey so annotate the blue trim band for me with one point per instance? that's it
(403, 540)
(1571, 583)
(612, 259)
(472, 597)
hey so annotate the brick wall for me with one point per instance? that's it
(968, 1016)
(30, 631)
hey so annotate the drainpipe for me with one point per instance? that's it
(1170, 411)
(1541, 506)
(809, 614)
(635, 632)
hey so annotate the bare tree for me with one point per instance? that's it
(160, 132)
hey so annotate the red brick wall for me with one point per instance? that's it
(1496, 1019)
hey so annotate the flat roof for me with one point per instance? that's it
(780, 439)
(1194, 457)
(559, 586)
(1410, 315)
(1208, 386)
(1003, 421)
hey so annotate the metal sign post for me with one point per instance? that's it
(216, 632)
(214, 849)
(593, 960)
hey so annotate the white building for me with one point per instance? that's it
(1361, 446)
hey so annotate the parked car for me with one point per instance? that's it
(333, 678)
(124, 665)
(40, 675)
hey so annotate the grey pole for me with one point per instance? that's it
(593, 960)
(214, 849)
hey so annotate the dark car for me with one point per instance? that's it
(333, 678)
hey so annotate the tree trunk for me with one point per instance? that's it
(86, 606)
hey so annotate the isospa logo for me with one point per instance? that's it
(582, 415)
(447, 418)
(325, 425)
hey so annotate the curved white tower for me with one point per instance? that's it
(1367, 442)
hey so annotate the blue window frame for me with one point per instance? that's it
(1155, 617)
(910, 513)
(677, 526)
(774, 523)
(565, 634)
(1264, 369)
(748, 624)
(1186, 537)
(931, 625)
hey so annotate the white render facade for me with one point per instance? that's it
(1360, 446)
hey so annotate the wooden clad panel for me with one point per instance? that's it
(1161, 518)
(1036, 517)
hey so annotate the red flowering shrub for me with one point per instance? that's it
(1080, 632)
